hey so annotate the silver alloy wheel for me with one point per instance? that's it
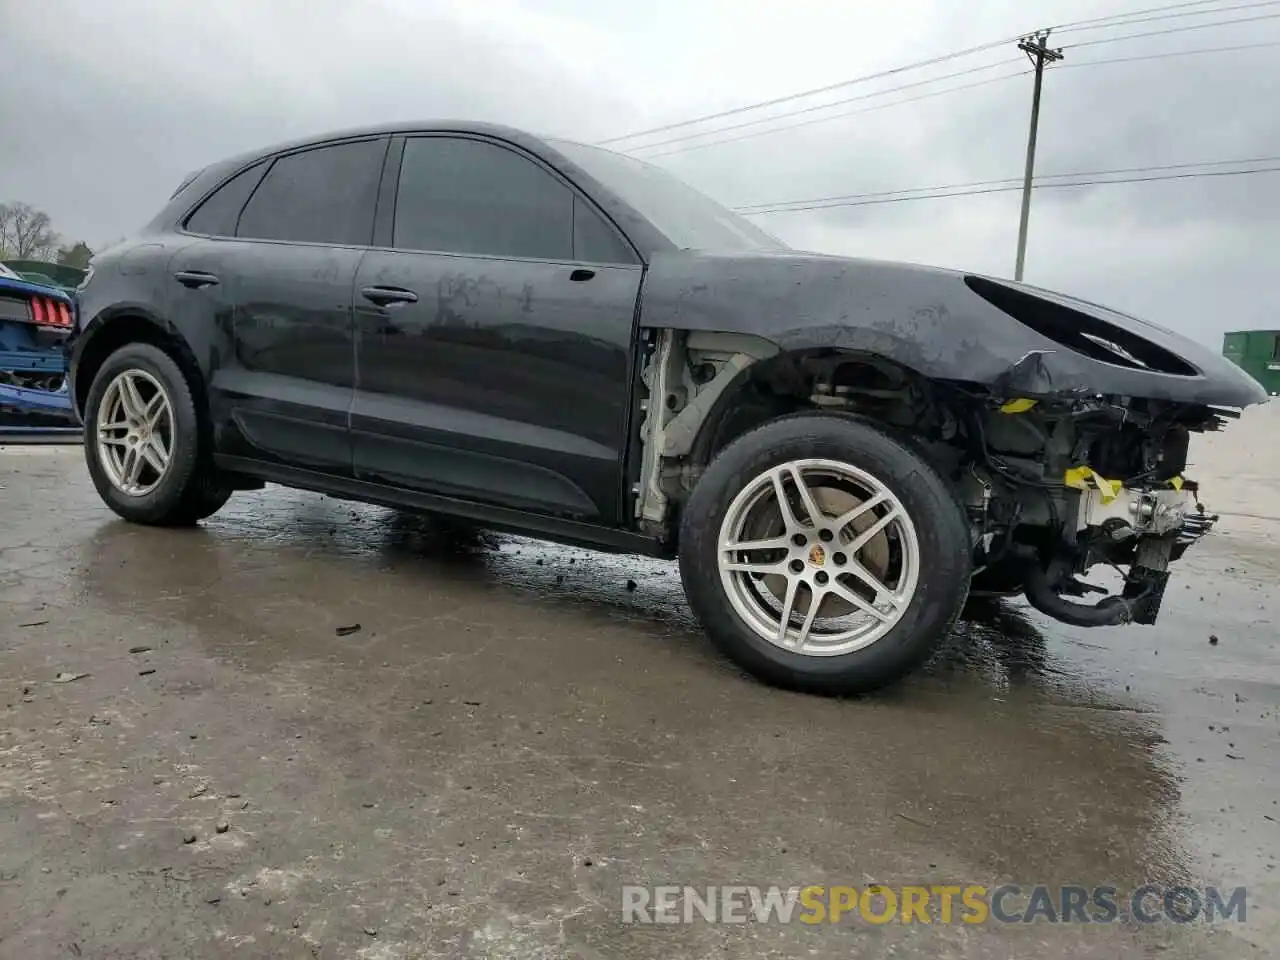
(135, 432)
(818, 557)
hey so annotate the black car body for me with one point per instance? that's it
(554, 339)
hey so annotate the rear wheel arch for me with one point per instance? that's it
(109, 333)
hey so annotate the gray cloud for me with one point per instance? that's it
(141, 93)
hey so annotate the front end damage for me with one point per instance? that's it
(1058, 487)
(1063, 426)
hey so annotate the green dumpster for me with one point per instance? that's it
(1257, 352)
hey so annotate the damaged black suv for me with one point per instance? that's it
(557, 340)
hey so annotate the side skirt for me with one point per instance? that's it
(573, 532)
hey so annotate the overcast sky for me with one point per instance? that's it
(105, 106)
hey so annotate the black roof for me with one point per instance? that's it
(637, 227)
(520, 138)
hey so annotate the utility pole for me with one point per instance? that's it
(1035, 49)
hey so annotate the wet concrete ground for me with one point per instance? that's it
(513, 734)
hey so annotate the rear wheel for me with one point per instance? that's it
(142, 441)
(823, 554)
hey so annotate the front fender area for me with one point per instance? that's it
(918, 317)
(943, 324)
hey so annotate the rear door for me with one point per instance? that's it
(494, 324)
(284, 390)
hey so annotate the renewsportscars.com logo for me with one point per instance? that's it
(937, 903)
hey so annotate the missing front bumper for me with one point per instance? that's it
(1145, 528)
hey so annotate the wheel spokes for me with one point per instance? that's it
(827, 530)
(816, 516)
(788, 604)
(155, 409)
(746, 566)
(133, 462)
(155, 455)
(134, 445)
(850, 596)
(789, 520)
(851, 515)
(773, 543)
(863, 538)
(131, 400)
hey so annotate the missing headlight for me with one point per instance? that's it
(1079, 331)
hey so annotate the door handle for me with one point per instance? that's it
(385, 296)
(581, 274)
(195, 279)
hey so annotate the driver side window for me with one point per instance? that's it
(465, 196)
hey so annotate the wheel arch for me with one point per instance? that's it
(110, 331)
(704, 389)
(833, 380)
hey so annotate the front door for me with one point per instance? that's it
(288, 383)
(494, 335)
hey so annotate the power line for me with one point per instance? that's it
(1195, 51)
(1112, 20)
(1135, 13)
(1161, 33)
(833, 103)
(809, 93)
(987, 183)
(1169, 16)
(1038, 186)
(1171, 53)
(848, 113)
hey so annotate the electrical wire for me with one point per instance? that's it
(1167, 11)
(1034, 186)
(1013, 180)
(894, 71)
(1097, 22)
(834, 103)
(1071, 64)
(1135, 13)
(1184, 29)
(848, 113)
(1170, 16)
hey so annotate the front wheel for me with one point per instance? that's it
(822, 554)
(142, 441)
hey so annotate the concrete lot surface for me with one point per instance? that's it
(516, 731)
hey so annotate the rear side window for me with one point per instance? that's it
(326, 195)
(468, 196)
(218, 214)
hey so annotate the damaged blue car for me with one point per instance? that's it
(34, 322)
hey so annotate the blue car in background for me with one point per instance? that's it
(35, 320)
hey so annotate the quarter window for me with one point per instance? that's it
(326, 195)
(218, 214)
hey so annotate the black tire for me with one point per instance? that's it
(190, 489)
(941, 528)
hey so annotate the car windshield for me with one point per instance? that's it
(6, 272)
(688, 218)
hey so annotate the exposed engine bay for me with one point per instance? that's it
(1056, 487)
(1053, 486)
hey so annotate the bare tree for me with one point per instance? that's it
(26, 233)
(75, 255)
